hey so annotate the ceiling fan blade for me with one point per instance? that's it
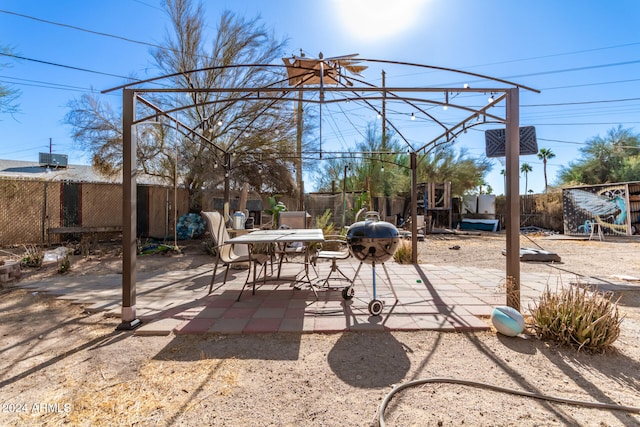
(335, 58)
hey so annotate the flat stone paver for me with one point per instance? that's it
(430, 297)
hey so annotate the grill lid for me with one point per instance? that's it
(372, 240)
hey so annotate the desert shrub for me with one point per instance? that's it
(577, 317)
(65, 264)
(209, 246)
(32, 257)
(550, 203)
(262, 248)
(324, 222)
(403, 252)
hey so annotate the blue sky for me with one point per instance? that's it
(583, 56)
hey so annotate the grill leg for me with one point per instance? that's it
(389, 281)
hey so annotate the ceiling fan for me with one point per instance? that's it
(303, 70)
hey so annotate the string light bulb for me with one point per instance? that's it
(219, 122)
(490, 98)
(445, 107)
(413, 116)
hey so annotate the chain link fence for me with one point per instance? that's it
(38, 212)
(32, 210)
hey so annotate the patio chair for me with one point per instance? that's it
(296, 220)
(334, 248)
(228, 254)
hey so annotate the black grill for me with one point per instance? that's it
(373, 241)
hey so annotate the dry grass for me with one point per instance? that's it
(159, 392)
(577, 317)
(403, 252)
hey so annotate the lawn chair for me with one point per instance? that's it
(296, 220)
(334, 248)
(228, 254)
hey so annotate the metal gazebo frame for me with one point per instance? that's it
(509, 94)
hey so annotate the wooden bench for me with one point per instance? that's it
(92, 232)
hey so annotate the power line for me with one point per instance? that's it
(555, 55)
(581, 102)
(32, 148)
(39, 82)
(46, 85)
(149, 5)
(51, 87)
(562, 70)
(64, 66)
(586, 124)
(567, 70)
(590, 84)
(469, 67)
(59, 24)
(584, 143)
(561, 141)
(99, 33)
(474, 66)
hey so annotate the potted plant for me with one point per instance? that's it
(275, 207)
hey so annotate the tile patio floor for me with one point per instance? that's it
(430, 297)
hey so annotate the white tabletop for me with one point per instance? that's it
(283, 236)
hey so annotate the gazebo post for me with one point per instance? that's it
(512, 151)
(414, 208)
(129, 217)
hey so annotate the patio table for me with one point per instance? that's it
(284, 236)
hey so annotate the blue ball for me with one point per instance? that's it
(507, 320)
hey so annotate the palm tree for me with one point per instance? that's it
(545, 154)
(525, 168)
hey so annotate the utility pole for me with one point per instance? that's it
(299, 154)
(344, 194)
(384, 110)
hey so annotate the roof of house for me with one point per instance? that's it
(19, 169)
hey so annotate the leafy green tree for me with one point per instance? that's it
(8, 94)
(612, 158)
(444, 164)
(381, 174)
(375, 166)
(629, 170)
(545, 154)
(525, 168)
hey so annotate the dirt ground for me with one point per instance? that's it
(60, 365)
